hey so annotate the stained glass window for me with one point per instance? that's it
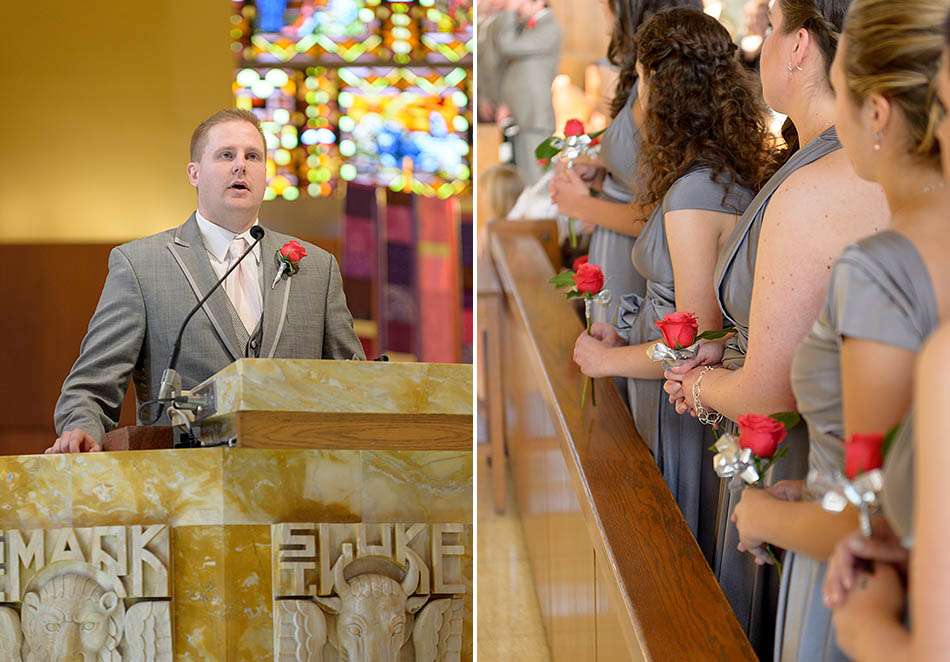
(374, 91)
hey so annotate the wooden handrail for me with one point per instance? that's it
(667, 599)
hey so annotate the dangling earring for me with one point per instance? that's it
(878, 138)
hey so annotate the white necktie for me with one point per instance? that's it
(242, 286)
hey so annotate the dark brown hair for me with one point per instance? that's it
(824, 20)
(227, 115)
(703, 106)
(629, 15)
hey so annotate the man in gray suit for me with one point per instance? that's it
(528, 41)
(154, 282)
(488, 59)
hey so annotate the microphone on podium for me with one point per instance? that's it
(170, 386)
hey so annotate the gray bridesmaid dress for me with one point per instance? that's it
(897, 497)
(678, 443)
(619, 149)
(753, 590)
(880, 291)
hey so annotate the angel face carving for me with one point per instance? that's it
(71, 617)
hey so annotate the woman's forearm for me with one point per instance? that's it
(624, 217)
(803, 527)
(727, 392)
(632, 362)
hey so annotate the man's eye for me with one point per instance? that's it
(226, 155)
(253, 156)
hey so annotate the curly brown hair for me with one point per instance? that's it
(629, 15)
(704, 107)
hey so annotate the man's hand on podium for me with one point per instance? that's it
(74, 441)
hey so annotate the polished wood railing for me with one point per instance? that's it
(617, 572)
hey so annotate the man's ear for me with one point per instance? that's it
(192, 173)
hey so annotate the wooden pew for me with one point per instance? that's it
(617, 572)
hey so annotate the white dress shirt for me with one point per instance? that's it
(218, 240)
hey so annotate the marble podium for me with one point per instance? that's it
(337, 526)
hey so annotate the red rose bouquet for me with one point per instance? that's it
(749, 457)
(575, 143)
(680, 338)
(585, 281)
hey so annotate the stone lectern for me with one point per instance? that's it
(334, 522)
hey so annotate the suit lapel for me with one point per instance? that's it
(275, 300)
(190, 254)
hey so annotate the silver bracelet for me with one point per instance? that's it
(706, 416)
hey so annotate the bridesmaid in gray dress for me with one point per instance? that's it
(772, 276)
(614, 212)
(751, 588)
(619, 147)
(852, 372)
(700, 198)
(880, 292)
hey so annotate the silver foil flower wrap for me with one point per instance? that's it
(863, 492)
(733, 461)
(602, 298)
(670, 357)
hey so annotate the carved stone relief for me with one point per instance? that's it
(85, 594)
(368, 592)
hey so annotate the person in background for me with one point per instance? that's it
(504, 186)
(487, 56)
(527, 40)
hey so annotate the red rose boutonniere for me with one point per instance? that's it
(288, 259)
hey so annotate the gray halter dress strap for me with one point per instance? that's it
(880, 291)
(753, 590)
(735, 269)
(619, 150)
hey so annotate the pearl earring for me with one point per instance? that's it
(878, 138)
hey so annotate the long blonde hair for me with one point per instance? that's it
(893, 49)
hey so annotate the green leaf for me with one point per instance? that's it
(714, 335)
(563, 279)
(889, 439)
(596, 134)
(546, 150)
(787, 418)
(574, 294)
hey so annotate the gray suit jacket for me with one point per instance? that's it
(488, 61)
(151, 286)
(529, 63)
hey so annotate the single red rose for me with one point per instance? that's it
(679, 329)
(589, 279)
(293, 251)
(863, 452)
(574, 127)
(760, 434)
(532, 22)
(578, 262)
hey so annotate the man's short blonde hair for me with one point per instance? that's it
(200, 134)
